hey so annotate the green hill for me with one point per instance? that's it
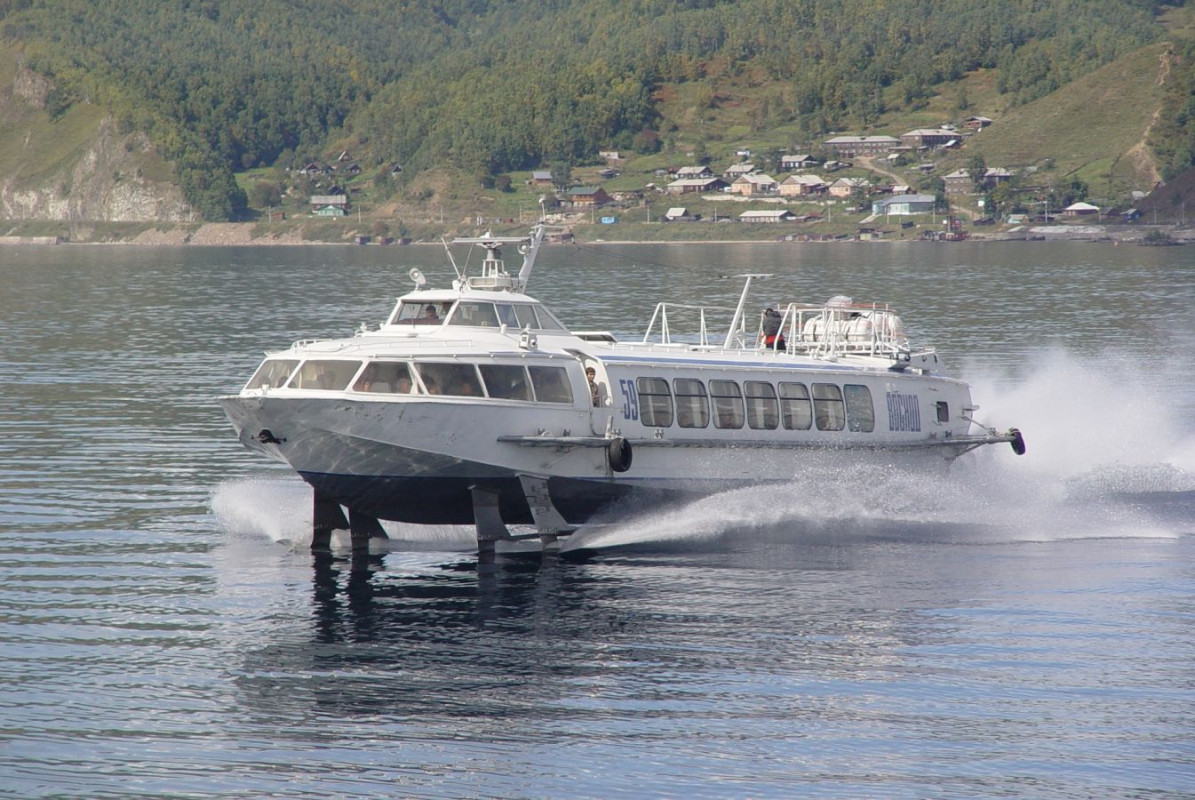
(225, 98)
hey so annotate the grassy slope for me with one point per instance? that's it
(1093, 129)
(33, 149)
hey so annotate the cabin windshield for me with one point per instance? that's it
(272, 373)
(484, 314)
(420, 313)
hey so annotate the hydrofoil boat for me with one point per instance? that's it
(475, 404)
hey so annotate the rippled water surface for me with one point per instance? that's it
(1021, 628)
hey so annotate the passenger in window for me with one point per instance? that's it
(595, 391)
(403, 385)
(430, 313)
(772, 338)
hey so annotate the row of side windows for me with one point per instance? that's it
(759, 404)
(531, 383)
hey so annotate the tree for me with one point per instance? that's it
(265, 193)
(562, 175)
(977, 168)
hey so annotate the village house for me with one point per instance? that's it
(845, 187)
(329, 205)
(847, 146)
(923, 138)
(903, 205)
(994, 176)
(541, 177)
(960, 182)
(754, 184)
(782, 215)
(738, 170)
(976, 123)
(588, 196)
(802, 185)
(795, 162)
(695, 172)
(678, 214)
(1080, 209)
(700, 185)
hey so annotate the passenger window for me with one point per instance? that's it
(506, 382)
(385, 377)
(860, 412)
(795, 411)
(728, 404)
(551, 384)
(459, 380)
(476, 315)
(655, 402)
(827, 407)
(761, 405)
(692, 404)
(327, 375)
(272, 374)
(943, 411)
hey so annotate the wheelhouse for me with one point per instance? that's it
(468, 312)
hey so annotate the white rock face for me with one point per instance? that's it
(107, 183)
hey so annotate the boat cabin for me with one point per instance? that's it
(431, 308)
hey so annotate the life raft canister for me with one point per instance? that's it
(618, 454)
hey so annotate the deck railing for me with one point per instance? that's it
(840, 327)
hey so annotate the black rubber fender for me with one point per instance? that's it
(618, 454)
(1018, 442)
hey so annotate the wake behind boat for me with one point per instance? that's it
(476, 405)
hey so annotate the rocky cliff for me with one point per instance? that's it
(77, 167)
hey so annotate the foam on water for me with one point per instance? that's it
(1101, 433)
(279, 509)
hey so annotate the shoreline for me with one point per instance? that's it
(240, 234)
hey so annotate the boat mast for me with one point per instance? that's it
(738, 311)
(493, 270)
(529, 251)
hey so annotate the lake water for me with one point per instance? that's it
(1022, 628)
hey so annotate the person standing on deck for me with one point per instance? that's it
(772, 338)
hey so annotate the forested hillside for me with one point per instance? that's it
(486, 86)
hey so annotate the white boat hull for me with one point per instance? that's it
(417, 461)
